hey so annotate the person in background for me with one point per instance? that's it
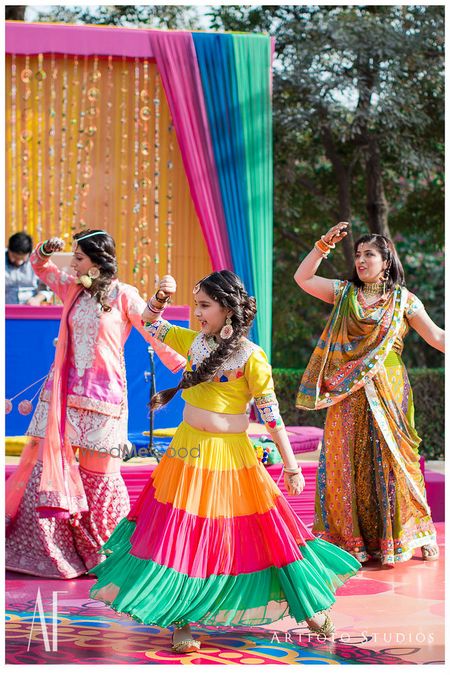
(22, 285)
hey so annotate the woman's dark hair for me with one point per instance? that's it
(101, 249)
(20, 242)
(394, 270)
(227, 289)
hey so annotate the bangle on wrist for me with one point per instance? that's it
(322, 239)
(321, 249)
(42, 250)
(292, 472)
(155, 302)
(164, 300)
(153, 308)
(154, 311)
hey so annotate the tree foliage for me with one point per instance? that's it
(358, 135)
(155, 16)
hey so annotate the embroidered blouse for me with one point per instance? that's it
(97, 378)
(246, 374)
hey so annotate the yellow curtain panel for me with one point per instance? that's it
(90, 143)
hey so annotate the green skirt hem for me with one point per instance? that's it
(154, 594)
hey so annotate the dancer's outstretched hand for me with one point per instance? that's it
(167, 285)
(54, 245)
(294, 483)
(336, 233)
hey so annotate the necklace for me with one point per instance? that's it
(373, 290)
(211, 342)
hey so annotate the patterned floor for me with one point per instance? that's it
(403, 623)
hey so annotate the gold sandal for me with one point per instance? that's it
(426, 555)
(326, 629)
(185, 646)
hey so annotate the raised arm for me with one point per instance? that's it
(178, 338)
(47, 271)
(157, 303)
(427, 329)
(134, 309)
(306, 277)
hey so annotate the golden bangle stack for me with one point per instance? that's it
(323, 247)
(325, 243)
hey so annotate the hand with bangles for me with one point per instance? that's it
(294, 481)
(167, 287)
(335, 234)
(159, 301)
(53, 245)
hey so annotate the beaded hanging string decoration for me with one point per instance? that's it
(51, 140)
(13, 195)
(156, 174)
(41, 76)
(140, 181)
(108, 142)
(25, 406)
(75, 122)
(26, 137)
(169, 222)
(59, 225)
(136, 195)
(92, 103)
(145, 182)
(90, 95)
(123, 162)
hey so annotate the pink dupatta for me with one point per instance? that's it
(61, 492)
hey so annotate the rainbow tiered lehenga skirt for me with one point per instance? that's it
(211, 540)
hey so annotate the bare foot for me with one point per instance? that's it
(430, 552)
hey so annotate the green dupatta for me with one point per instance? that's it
(352, 347)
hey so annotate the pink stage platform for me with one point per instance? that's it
(389, 617)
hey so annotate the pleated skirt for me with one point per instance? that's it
(211, 540)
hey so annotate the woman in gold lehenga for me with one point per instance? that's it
(370, 496)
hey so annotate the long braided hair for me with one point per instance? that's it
(394, 273)
(101, 249)
(227, 289)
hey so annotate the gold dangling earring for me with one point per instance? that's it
(227, 330)
(386, 277)
(87, 279)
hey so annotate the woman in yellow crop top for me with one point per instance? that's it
(211, 539)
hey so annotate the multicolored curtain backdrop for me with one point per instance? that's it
(163, 138)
